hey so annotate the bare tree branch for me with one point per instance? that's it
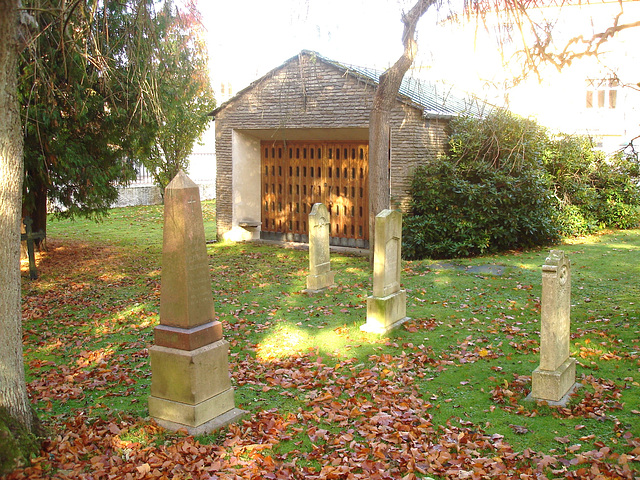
(391, 79)
(591, 46)
(379, 129)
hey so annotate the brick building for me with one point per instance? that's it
(299, 135)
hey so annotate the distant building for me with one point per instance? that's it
(224, 93)
(595, 96)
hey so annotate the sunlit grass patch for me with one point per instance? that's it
(283, 341)
(135, 437)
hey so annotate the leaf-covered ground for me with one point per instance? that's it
(442, 397)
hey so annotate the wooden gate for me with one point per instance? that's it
(296, 174)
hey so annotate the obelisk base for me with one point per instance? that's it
(191, 389)
(320, 282)
(386, 313)
(205, 417)
(217, 423)
(553, 385)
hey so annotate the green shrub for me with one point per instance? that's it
(592, 191)
(573, 222)
(506, 184)
(489, 194)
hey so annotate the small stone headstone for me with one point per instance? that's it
(190, 384)
(320, 274)
(555, 377)
(387, 308)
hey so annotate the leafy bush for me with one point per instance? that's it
(573, 222)
(592, 191)
(507, 184)
(489, 194)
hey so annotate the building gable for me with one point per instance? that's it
(305, 92)
(309, 99)
(431, 99)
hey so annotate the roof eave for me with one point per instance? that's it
(437, 115)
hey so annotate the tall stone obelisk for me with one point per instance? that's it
(190, 383)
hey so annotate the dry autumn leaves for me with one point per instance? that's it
(425, 403)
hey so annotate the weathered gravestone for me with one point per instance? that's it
(190, 384)
(387, 308)
(555, 377)
(320, 274)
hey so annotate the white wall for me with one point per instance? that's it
(246, 187)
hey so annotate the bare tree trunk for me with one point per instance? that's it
(13, 390)
(38, 213)
(379, 126)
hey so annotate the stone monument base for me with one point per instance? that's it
(217, 423)
(317, 283)
(207, 416)
(191, 389)
(560, 403)
(190, 377)
(386, 313)
(552, 385)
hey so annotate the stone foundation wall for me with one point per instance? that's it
(135, 195)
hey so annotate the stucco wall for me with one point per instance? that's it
(310, 99)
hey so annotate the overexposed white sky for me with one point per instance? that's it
(247, 38)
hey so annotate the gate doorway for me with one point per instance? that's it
(297, 174)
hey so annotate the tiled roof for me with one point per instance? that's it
(434, 99)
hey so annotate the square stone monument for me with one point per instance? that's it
(387, 308)
(320, 275)
(555, 378)
(190, 383)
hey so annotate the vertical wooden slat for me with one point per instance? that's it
(364, 184)
(295, 206)
(339, 180)
(339, 183)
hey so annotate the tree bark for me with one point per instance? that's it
(13, 390)
(379, 125)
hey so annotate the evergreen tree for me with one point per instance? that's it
(103, 85)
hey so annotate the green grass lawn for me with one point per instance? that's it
(441, 395)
